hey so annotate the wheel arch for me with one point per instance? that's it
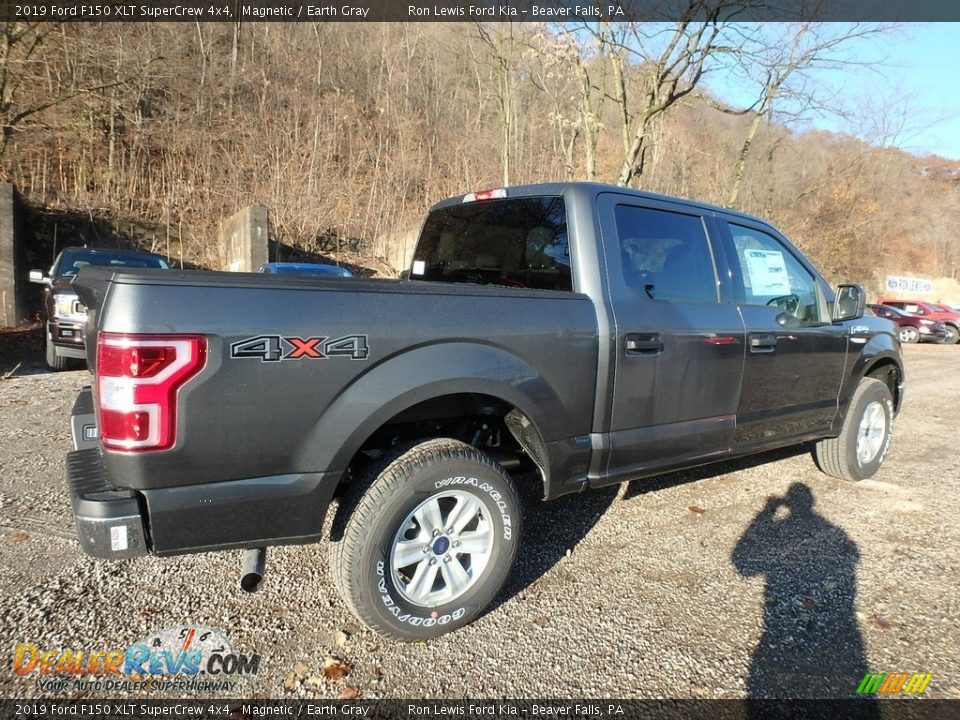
(890, 373)
(465, 378)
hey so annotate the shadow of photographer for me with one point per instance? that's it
(811, 645)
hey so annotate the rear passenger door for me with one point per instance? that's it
(679, 349)
(795, 355)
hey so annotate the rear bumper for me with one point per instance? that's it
(109, 522)
(116, 523)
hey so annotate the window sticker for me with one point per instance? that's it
(767, 272)
(419, 266)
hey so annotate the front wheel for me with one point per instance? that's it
(430, 542)
(953, 336)
(858, 452)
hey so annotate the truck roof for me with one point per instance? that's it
(592, 189)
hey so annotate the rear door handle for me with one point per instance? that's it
(644, 344)
(763, 343)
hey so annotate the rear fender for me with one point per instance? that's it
(424, 373)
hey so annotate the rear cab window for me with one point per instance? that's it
(511, 242)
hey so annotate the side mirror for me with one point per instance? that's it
(850, 303)
(404, 275)
(37, 276)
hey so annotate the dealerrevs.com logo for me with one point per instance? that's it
(184, 657)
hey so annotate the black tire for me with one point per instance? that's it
(953, 335)
(909, 334)
(839, 456)
(431, 475)
(55, 361)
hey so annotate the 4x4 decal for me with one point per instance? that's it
(273, 348)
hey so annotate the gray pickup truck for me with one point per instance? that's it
(580, 333)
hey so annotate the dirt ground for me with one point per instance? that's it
(694, 584)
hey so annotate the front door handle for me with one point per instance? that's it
(644, 344)
(763, 343)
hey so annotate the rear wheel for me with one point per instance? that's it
(858, 452)
(909, 334)
(55, 361)
(430, 542)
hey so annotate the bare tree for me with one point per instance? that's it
(671, 62)
(500, 37)
(787, 66)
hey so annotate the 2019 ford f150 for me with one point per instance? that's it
(586, 333)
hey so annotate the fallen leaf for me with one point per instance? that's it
(696, 509)
(879, 623)
(18, 536)
(300, 669)
(541, 621)
(291, 682)
(349, 693)
(314, 681)
(830, 585)
(340, 638)
(809, 603)
(335, 669)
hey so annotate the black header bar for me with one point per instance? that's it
(566, 11)
(213, 709)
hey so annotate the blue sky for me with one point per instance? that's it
(929, 62)
(907, 81)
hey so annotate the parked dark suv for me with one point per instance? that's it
(65, 313)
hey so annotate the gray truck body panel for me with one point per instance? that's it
(261, 446)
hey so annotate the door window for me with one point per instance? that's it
(771, 275)
(665, 255)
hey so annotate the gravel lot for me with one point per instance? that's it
(655, 589)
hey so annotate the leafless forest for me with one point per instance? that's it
(348, 132)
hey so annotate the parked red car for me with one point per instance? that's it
(912, 328)
(931, 311)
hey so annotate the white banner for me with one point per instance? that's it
(898, 283)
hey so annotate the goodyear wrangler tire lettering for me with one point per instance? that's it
(430, 540)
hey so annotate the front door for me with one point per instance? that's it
(679, 349)
(795, 355)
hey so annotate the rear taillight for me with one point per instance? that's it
(138, 377)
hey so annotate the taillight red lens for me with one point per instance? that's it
(137, 362)
(138, 377)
